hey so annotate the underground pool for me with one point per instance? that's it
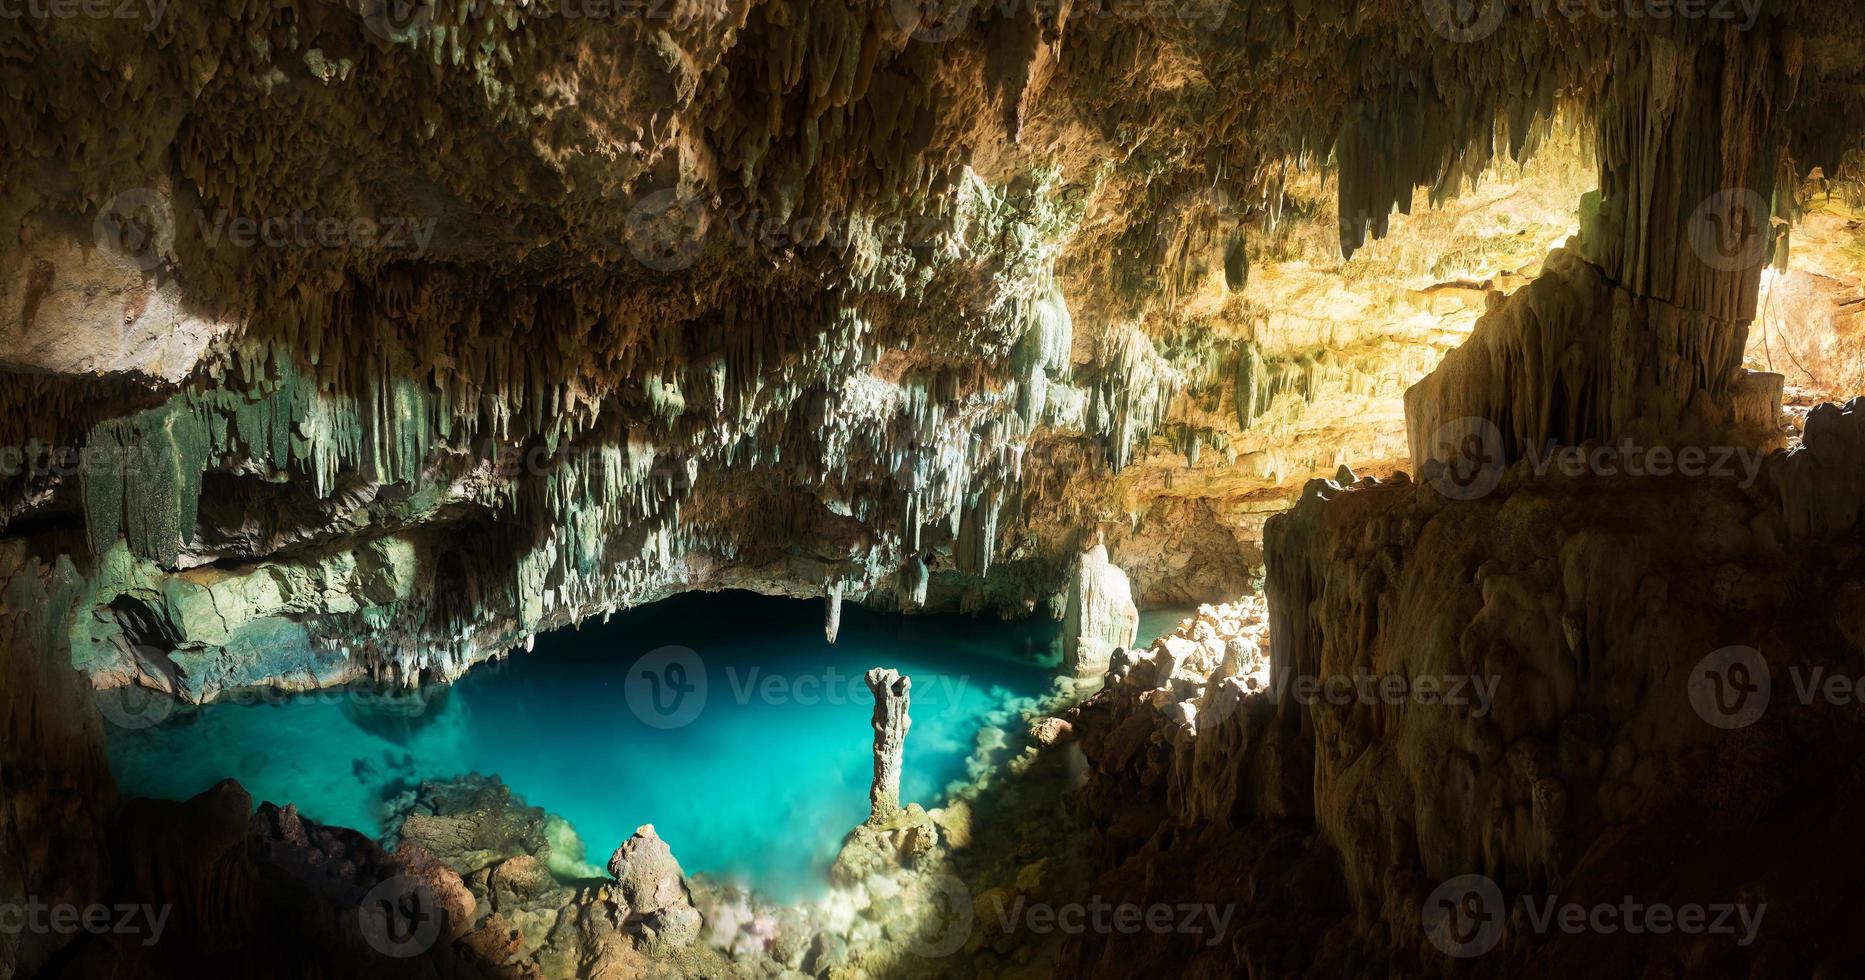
(726, 720)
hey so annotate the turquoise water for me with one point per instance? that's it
(725, 720)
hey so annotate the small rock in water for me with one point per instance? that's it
(827, 952)
(954, 821)
(1051, 731)
(650, 878)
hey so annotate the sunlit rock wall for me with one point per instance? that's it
(373, 348)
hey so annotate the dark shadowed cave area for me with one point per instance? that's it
(931, 488)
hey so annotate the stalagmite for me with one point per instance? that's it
(891, 697)
(1101, 614)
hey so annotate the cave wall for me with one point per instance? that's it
(783, 296)
(1589, 602)
(750, 296)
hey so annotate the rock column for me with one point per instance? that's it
(891, 697)
(1100, 616)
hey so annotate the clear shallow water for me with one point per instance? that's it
(724, 720)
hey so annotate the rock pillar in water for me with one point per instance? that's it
(891, 696)
(1101, 615)
(832, 613)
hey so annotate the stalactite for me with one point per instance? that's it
(832, 612)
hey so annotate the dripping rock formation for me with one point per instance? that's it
(1485, 377)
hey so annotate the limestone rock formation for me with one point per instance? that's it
(888, 339)
(339, 346)
(832, 613)
(1100, 615)
(651, 880)
(892, 697)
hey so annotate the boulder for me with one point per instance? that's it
(650, 878)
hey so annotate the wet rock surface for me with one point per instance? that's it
(1552, 679)
(810, 299)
